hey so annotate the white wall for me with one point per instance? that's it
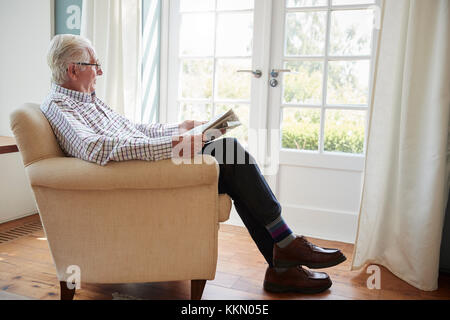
(25, 32)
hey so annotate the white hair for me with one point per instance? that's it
(65, 49)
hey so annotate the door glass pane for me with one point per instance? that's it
(305, 3)
(231, 84)
(348, 82)
(344, 131)
(197, 34)
(196, 78)
(213, 47)
(303, 85)
(242, 111)
(351, 32)
(305, 33)
(234, 34)
(235, 4)
(300, 129)
(195, 111)
(348, 2)
(196, 5)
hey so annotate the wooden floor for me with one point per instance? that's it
(27, 271)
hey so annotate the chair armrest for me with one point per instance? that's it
(75, 174)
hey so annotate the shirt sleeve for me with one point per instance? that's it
(77, 139)
(158, 129)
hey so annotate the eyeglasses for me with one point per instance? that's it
(97, 65)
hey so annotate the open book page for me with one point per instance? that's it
(227, 121)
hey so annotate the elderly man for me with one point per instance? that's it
(88, 129)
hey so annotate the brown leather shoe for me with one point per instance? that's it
(296, 279)
(302, 252)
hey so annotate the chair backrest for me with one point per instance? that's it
(34, 136)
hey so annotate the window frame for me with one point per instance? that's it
(321, 158)
(313, 159)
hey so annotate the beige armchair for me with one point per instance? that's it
(127, 222)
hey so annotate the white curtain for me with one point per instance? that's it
(114, 27)
(405, 187)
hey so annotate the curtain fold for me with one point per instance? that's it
(405, 189)
(114, 27)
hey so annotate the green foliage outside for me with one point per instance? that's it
(343, 132)
(347, 84)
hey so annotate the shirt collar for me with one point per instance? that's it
(76, 95)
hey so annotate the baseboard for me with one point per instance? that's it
(17, 217)
(315, 222)
(321, 223)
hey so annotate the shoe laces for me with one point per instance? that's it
(312, 246)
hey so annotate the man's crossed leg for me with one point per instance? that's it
(260, 211)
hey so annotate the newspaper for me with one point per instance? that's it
(228, 120)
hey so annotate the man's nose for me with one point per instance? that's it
(99, 71)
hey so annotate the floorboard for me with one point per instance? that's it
(27, 272)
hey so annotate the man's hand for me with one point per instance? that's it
(189, 125)
(187, 146)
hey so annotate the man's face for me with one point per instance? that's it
(88, 74)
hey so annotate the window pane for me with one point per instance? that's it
(305, 3)
(195, 111)
(300, 129)
(242, 111)
(351, 32)
(303, 85)
(347, 2)
(305, 33)
(197, 34)
(344, 131)
(235, 4)
(196, 5)
(348, 82)
(234, 34)
(230, 83)
(197, 78)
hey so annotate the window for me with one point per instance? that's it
(215, 40)
(328, 46)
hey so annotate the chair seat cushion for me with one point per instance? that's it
(224, 207)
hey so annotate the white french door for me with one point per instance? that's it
(298, 74)
(319, 101)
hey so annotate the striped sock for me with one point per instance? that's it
(280, 232)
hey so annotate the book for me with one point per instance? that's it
(227, 120)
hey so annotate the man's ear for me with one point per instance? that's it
(72, 72)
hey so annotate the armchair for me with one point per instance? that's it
(126, 222)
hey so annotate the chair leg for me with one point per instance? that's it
(197, 287)
(66, 293)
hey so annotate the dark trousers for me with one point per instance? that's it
(241, 178)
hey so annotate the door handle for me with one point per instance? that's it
(256, 73)
(275, 72)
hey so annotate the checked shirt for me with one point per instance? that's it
(87, 128)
